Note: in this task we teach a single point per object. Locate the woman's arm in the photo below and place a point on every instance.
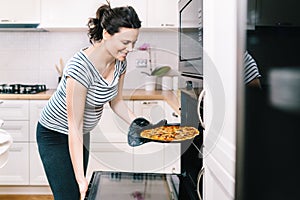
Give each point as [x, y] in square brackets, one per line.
[119, 106]
[75, 100]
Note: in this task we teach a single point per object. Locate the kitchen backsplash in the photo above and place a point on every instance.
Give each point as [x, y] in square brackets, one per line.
[30, 57]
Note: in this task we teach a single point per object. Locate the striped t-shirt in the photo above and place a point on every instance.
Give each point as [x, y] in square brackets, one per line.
[99, 92]
[250, 68]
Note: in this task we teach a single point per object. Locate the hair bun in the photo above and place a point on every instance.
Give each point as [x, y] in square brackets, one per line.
[93, 22]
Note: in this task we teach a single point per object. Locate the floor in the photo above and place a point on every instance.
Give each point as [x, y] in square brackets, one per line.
[26, 197]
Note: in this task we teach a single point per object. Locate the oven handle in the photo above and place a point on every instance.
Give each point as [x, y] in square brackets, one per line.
[201, 96]
[200, 175]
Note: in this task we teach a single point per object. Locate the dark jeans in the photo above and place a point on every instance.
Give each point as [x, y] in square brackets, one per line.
[54, 152]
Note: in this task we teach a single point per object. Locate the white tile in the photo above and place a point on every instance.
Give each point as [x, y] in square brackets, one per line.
[31, 56]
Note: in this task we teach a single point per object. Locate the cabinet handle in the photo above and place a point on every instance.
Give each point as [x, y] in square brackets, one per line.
[16, 149]
[198, 108]
[168, 25]
[174, 114]
[1, 102]
[148, 103]
[200, 175]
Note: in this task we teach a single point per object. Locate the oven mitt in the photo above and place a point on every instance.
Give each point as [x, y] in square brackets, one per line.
[137, 126]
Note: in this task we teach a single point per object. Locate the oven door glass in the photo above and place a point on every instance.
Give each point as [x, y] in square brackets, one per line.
[128, 186]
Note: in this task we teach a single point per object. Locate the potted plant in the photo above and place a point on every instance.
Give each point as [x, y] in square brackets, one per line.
[150, 80]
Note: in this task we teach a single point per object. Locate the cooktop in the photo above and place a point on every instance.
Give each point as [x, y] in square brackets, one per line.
[22, 88]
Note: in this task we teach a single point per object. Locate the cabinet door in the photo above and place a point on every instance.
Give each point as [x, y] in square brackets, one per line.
[36, 107]
[110, 157]
[16, 170]
[19, 130]
[140, 7]
[172, 155]
[14, 110]
[152, 110]
[149, 157]
[111, 127]
[36, 170]
[162, 13]
[171, 115]
[20, 11]
[68, 13]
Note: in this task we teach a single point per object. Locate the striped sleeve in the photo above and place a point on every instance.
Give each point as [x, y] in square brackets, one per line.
[78, 71]
[250, 68]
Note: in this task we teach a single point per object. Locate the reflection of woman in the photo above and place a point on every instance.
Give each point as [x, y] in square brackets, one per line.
[251, 76]
[93, 77]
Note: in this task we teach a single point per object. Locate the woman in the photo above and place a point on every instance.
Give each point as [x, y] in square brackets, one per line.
[93, 77]
[251, 72]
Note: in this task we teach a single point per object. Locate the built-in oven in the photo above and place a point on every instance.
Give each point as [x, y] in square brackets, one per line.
[191, 151]
[190, 37]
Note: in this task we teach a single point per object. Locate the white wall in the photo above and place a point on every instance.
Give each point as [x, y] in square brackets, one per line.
[30, 57]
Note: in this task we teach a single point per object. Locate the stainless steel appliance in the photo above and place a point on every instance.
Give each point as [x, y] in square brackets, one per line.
[190, 37]
[22, 88]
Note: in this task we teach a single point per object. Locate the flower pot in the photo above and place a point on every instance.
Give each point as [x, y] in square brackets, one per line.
[150, 83]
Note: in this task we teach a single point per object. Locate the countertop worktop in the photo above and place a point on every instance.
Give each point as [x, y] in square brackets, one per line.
[171, 97]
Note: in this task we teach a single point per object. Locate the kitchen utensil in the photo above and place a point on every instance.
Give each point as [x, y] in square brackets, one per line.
[135, 129]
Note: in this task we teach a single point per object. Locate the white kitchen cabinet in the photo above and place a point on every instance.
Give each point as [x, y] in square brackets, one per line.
[15, 114]
[152, 110]
[17, 129]
[149, 157]
[24, 166]
[36, 170]
[110, 157]
[111, 128]
[110, 151]
[172, 158]
[171, 115]
[20, 11]
[36, 107]
[140, 7]
[168, 154]
[67, 13]
[162, 14]
[75, 13]
[15, 172]
[37, 173]
[13, 110]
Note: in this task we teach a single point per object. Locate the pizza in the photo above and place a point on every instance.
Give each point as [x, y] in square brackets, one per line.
[170, 133]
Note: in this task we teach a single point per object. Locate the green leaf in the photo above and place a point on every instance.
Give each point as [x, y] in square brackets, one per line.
[160, 71]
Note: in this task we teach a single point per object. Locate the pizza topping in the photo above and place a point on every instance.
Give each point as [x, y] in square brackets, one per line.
[170, 133]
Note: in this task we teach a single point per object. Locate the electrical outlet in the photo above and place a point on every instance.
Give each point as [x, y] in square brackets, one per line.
[141, 62]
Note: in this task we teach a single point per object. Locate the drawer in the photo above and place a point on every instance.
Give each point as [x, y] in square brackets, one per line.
[14, 110]
[19, 130]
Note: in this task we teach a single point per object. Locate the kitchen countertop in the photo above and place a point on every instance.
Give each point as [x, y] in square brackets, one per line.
[171, 97]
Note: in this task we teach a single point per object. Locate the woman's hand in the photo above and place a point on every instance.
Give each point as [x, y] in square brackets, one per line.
[83, 186]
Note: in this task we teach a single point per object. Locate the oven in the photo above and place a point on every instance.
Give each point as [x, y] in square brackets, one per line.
[190, 186]
[190, 37]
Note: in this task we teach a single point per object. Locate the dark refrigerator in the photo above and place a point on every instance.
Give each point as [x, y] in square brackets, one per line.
[268, 162]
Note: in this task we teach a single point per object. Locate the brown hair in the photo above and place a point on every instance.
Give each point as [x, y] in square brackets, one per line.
[111, 20]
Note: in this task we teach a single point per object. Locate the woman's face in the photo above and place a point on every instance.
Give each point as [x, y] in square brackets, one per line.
[121, 43]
